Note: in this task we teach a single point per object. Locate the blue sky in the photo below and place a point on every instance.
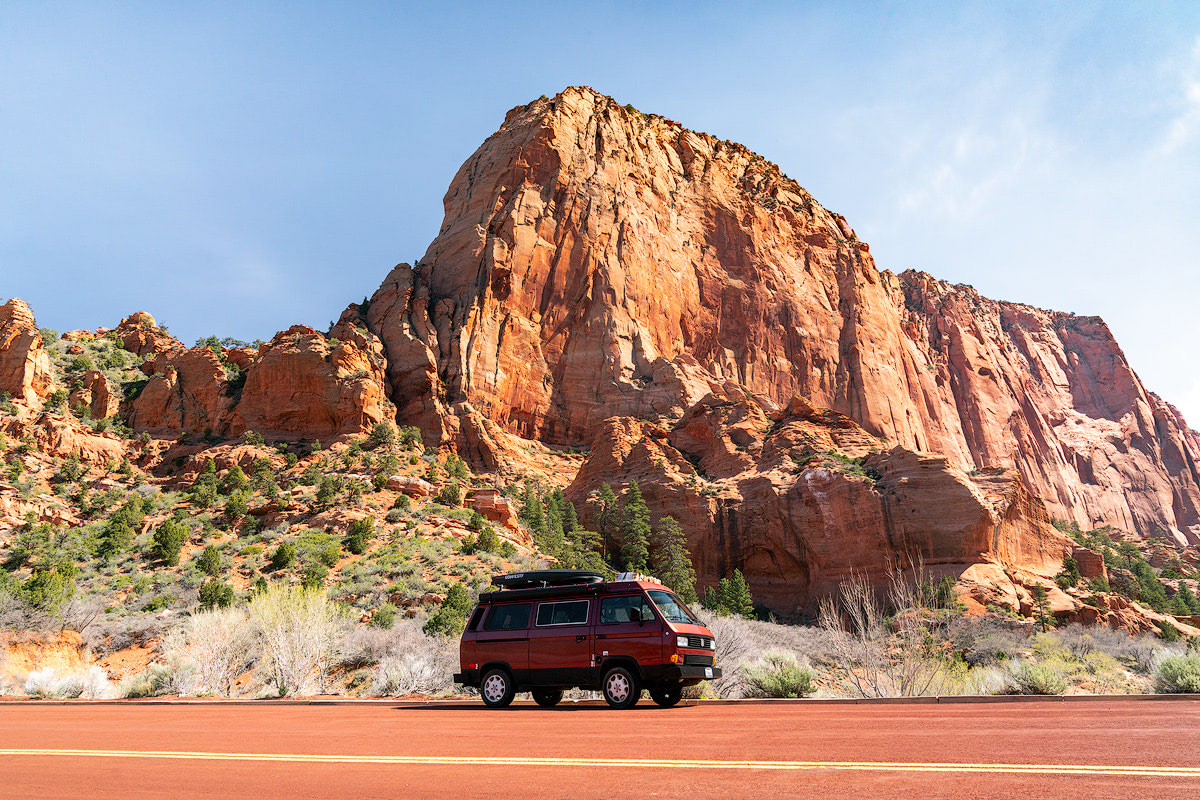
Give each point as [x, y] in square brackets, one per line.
[234, 168]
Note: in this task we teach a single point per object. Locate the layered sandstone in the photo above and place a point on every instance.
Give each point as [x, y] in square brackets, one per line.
[24, 365]
[596, 262]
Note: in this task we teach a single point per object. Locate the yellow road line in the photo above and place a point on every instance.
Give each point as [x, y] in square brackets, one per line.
[627, 763]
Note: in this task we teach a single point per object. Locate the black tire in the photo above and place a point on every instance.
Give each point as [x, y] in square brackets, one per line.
[667, 698]
[621, 688]
[547, 698]
[497, 688]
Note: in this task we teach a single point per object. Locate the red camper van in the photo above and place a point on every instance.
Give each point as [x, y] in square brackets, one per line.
[550, 630]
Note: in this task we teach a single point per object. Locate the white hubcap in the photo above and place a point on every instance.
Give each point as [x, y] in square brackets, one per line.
[494, 688]
[618, 687]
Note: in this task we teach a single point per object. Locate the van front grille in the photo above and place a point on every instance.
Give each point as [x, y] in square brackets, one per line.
[699, 661]
[700, 642]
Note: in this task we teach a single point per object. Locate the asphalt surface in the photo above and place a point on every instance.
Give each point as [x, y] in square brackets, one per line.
[1105, 749]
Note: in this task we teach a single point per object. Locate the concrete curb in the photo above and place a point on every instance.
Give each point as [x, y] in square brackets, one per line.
[469, 703]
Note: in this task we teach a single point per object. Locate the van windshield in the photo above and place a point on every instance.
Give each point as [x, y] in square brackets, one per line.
[672, 607]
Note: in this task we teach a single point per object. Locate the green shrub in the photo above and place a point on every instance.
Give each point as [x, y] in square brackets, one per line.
[209, 561]
[168, 542]
[450, 495]
[1168, 632]
[283, 556]
[385, 617]
[402, 503]
[451, 616]
[360, 532]
[395, 515]
[382, 434]
[409, 437]
[488, 542]
[778, 675]
[1178, 675]
[313, 575]
[214, 593]
[319, 548]
[1039, 679]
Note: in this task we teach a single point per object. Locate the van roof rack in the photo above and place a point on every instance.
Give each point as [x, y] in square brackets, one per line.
[543, 578]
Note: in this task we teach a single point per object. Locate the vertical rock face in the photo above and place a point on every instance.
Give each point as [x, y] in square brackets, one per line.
[763, 493]
[1052, 395]
[24, 366]
[595, 261]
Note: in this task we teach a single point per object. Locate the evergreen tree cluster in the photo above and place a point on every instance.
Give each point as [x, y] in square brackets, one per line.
[625, 539]
[555, 529]
[730, 597]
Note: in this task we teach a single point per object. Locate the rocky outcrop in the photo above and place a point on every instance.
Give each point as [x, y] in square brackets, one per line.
[24, 366]
[140, 334]
[189, 392]
[304, 384]
[96, 395]
[301, 384]
[803, 498]
[596, 261]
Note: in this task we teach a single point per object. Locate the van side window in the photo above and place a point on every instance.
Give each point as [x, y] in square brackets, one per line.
[508, 618]
[572, 612]
[616, 609]
[475, 618]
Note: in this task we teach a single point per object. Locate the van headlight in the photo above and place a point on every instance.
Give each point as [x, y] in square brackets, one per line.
[681, 641]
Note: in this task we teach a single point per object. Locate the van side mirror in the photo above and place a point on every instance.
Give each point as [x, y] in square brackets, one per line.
[635, 615]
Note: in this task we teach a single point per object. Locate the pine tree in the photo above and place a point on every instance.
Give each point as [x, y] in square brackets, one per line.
[635, 531]
[533, 514]
[737, 596]
[1041, 607]
[554, 502]
[671, 562]
[607, 517]
[712, 600]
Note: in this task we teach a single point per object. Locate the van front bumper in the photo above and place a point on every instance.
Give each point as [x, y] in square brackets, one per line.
[688, 673]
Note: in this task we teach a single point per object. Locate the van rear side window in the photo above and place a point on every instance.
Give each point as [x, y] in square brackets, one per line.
[572, 612]
[508, 618]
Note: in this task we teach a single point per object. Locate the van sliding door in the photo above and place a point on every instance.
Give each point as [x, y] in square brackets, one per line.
[560, 643]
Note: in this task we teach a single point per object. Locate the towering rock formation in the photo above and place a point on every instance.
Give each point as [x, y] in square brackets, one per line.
[24, 366]
[595, 261]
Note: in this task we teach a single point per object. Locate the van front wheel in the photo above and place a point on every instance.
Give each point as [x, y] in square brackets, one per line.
[496, 688]
[667, 698]
[620, 687]
[547, 698]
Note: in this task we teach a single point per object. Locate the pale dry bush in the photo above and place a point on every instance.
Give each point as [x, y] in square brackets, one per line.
[407, 661]
[900, 657]
[301, 632]
[210, 650]
[741, 641]
[91, 683]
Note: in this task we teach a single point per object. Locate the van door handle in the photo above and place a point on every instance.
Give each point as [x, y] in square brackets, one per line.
[581, 638]
[601, 635]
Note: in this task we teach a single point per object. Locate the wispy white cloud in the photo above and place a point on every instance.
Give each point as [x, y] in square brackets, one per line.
[1184, 127]
[966, 168]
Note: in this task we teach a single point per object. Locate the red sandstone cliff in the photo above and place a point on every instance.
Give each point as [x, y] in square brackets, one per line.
[597, 262]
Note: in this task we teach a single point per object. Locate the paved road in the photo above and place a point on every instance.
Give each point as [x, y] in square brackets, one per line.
[1107, 749]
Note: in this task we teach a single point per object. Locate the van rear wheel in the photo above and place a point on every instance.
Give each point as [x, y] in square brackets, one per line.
[621, 688]
[547, 698]
[667, 697]
[497, 688]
